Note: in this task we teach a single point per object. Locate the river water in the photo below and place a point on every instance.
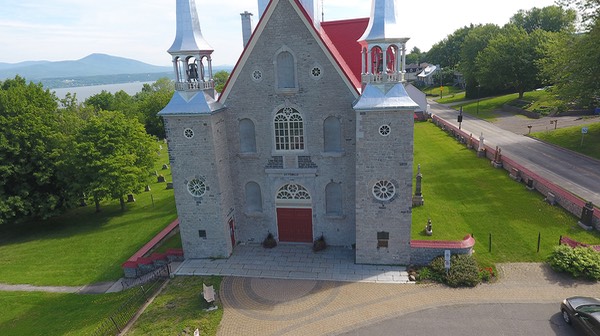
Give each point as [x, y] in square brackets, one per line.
[84, 92]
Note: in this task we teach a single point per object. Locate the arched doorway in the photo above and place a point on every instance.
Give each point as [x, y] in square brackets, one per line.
[294, 214]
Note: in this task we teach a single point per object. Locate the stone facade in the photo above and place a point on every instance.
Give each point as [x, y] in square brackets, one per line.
[285, 141]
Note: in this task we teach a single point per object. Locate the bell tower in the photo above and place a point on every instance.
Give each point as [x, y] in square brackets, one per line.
[384, 142]
[191, 53]
[197, 140]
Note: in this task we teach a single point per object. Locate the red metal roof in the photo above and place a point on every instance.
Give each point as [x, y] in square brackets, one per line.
[341, 37]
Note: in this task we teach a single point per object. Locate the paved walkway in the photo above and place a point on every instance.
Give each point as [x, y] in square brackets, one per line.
[294, 261]
[259, 306]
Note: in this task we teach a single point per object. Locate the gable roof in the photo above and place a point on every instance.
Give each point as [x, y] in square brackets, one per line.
[342, 38]
[328, 48]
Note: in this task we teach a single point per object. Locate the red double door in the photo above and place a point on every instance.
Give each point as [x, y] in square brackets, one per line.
[295, 225]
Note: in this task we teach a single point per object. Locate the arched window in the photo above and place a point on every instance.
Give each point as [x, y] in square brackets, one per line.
[289, 130]
[332, 135]
[392, 59]
[247, 136]
[286, 70]
[376, 60]
[253, 197]
[333, 199]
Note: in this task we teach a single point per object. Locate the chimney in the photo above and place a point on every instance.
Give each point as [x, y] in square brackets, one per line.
[246, 27]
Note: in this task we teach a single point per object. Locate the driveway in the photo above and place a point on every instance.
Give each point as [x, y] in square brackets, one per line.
[259, 306]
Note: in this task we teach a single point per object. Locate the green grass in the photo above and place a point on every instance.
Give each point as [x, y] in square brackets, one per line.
[571, 138]
[180, 310]
[37, 313]
[81, 246]
[464, 194]
[540, 101]
[448, 94]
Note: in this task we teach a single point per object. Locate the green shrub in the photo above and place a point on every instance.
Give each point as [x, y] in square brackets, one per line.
[464, 271]
[580, 262]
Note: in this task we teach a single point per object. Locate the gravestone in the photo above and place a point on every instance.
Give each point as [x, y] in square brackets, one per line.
[551, 198]
[165, 166]
[497, 163]
[587, 216]
[130, 198]
[515, 174]
[470, 143]
[169, 185]
[529, 184]
[161, 179]
[417, 199]
[147, 188]
[429, 228]
[481, 148]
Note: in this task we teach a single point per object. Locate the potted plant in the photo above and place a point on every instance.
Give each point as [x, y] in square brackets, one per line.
[319, 244]
[270, 241]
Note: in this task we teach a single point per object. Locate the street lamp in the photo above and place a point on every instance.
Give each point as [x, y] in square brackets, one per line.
[441, 83]
[478, 95]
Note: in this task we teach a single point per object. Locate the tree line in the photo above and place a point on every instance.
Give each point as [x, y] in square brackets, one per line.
[56, 153]
[555, 46]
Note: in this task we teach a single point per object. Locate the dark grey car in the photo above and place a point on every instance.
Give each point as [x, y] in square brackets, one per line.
[583, 313]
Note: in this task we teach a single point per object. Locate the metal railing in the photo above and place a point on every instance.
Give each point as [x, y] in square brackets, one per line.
[142, 289]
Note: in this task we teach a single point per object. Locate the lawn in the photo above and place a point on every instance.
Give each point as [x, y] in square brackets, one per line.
[572, 138]
[82, 246]
[464, 194]
[37, 313]
[178, 310]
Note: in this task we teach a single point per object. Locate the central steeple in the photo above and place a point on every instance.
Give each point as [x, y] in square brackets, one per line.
[191, 53]
[383, 45]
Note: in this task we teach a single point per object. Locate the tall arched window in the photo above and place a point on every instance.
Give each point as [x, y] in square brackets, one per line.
[332, 135]
[247, 136]
[333, 199]
[289, 130]
[253, 197]
[286, 70]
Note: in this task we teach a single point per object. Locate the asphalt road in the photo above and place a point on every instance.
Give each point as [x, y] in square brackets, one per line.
[475, 320]
[575, 173]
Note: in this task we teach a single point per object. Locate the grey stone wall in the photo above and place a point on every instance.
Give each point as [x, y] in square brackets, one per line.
[423, 256]
[198, 157]
[384, 158]
[316, 99]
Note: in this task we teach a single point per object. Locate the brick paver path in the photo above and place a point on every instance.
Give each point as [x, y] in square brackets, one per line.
[255, 306]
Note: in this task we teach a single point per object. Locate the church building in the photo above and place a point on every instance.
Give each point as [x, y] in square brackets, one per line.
[312, 135]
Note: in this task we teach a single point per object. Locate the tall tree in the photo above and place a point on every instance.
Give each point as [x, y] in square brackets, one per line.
[475, 41]
[509, 61]
[114, 156]
[446, 53]
[30, 149]
[572, 66]
[220, 78]
[550, 19]
[152, 100]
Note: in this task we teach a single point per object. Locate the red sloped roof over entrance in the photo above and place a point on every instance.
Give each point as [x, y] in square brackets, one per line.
[343, 34]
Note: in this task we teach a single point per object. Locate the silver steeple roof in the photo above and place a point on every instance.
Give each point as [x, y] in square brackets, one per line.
[384, 23]
[189, 36]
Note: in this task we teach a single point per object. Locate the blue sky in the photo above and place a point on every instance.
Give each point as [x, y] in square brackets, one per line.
[144, 29]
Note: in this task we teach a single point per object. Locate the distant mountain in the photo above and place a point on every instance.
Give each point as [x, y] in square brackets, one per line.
[92, 65]
[4, 66]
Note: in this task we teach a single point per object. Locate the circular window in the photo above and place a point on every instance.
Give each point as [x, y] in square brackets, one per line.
[196, 187]
[316, 72]
[257, 75]
[188, 133]
[384, 190]
[385, 130]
